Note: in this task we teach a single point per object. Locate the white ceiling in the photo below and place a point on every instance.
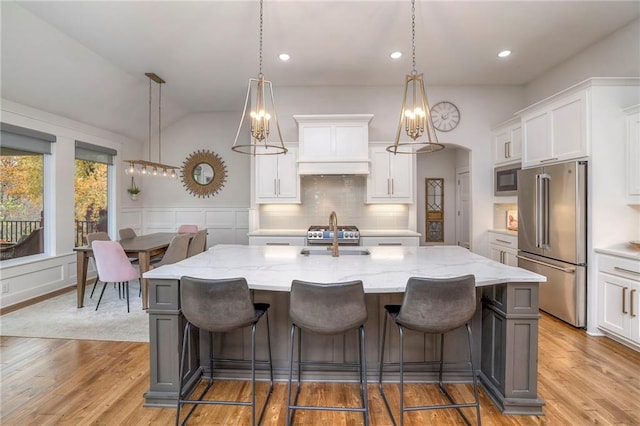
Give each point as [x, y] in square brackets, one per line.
[86, 60]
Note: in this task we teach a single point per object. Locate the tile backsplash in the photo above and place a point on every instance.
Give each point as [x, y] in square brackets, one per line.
[346, 195]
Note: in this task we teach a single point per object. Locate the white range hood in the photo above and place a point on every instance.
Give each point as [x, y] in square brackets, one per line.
[333, 144]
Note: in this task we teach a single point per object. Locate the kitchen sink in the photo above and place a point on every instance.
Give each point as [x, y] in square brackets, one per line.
[327, 252]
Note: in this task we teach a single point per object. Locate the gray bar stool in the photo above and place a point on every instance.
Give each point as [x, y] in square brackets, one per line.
[328, 309]
[219, 306]
[434, 306]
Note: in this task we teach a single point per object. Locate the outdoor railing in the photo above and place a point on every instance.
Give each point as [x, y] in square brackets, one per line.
[12, 230]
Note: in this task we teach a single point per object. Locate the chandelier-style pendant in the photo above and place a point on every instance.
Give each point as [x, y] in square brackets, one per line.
[415, 116]
[260, 99]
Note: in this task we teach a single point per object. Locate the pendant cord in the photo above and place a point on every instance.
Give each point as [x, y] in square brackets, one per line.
[260, 67]
[413, 34]
[149, 157]
[160, 123]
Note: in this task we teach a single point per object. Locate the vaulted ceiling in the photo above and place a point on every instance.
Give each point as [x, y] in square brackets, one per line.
[86, 60]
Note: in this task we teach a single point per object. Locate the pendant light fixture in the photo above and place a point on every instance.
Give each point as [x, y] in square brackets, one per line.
[148, 167]
[260, 99]
[415, 116]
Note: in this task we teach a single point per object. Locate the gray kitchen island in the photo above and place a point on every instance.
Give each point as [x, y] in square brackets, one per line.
[505, 327]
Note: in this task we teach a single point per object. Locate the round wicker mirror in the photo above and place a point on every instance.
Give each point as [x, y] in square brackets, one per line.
[203, 173]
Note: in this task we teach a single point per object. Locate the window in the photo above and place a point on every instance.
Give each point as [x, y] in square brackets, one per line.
[91, 189]
[22, 190]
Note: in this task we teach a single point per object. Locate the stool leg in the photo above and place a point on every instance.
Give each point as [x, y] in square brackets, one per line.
[181, 369]
[441, 364]
[289, 411]
[270, 391]
[380, 371]
[253, 374]
[473, 374]
[363, 376]
[401, 332]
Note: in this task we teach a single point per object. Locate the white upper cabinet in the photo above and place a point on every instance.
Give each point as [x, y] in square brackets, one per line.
[333, 144]
[277, 179]
[507, 142]
[555, 130]
[391, 177]
[633, 153]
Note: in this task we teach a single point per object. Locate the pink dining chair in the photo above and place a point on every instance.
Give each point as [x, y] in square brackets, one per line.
[91, 237]
[113, 266]
[188, 229]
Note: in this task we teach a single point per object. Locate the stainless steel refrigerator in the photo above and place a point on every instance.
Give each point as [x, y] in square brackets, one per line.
[552, 236]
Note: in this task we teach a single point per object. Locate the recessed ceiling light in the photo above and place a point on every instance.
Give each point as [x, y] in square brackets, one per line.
[395, 55]
[284, 57]
[504, 54]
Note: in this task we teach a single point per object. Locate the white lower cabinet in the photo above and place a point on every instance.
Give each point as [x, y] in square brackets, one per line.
[276, 241]
[504, 248]
[390, 241]
[619, 298]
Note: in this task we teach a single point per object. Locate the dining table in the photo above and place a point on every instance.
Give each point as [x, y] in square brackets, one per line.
[142, 247]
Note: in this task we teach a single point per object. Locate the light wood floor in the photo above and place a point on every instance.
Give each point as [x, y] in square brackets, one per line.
[583, 380]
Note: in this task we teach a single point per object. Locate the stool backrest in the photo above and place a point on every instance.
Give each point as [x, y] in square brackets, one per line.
[112, 262]
[217, 305]
[198, 243]
[330, 308]
[433, 305]
[126, 233]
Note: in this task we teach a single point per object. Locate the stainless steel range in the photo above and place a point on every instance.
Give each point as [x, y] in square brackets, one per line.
[322, 235]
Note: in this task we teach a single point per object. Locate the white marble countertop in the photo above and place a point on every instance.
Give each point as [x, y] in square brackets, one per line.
[625, 250]
[363, 233]
[505, 231]
[384, 270]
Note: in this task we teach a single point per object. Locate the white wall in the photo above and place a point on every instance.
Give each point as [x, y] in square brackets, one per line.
[615, 56]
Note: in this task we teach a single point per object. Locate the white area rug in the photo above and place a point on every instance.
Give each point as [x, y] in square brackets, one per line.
[59, 317]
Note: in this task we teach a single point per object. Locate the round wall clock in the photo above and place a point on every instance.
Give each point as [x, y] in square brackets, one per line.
[445, 116]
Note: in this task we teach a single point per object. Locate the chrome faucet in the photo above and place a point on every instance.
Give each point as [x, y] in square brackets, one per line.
[333, 226]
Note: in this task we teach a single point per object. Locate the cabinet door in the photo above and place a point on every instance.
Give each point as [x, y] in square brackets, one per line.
[536, 139]
[317, 142]
[633, 157]
[514, 147]
[288, 179]
[496, 253]
[266, 176]
[401, 174]
[500, 144]
[569, 128]
[510, 257]
[613, 316]
[378, 183]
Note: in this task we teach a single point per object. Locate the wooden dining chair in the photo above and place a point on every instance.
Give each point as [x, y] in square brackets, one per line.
[198, 243]
[113, 266]
[176, 251]
[126, 233]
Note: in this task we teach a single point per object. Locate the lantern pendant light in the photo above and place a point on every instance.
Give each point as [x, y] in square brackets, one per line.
[260, 97]
[415, 116]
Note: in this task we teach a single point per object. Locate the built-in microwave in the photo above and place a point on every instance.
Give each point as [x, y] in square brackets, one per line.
[505, 180]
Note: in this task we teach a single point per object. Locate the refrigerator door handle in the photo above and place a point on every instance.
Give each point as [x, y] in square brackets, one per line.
[536, 211]
[544, 210]
[569, 270]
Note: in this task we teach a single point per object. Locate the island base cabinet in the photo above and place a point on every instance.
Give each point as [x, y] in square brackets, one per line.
[505, 332]
[509, 348]
[166, 329]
